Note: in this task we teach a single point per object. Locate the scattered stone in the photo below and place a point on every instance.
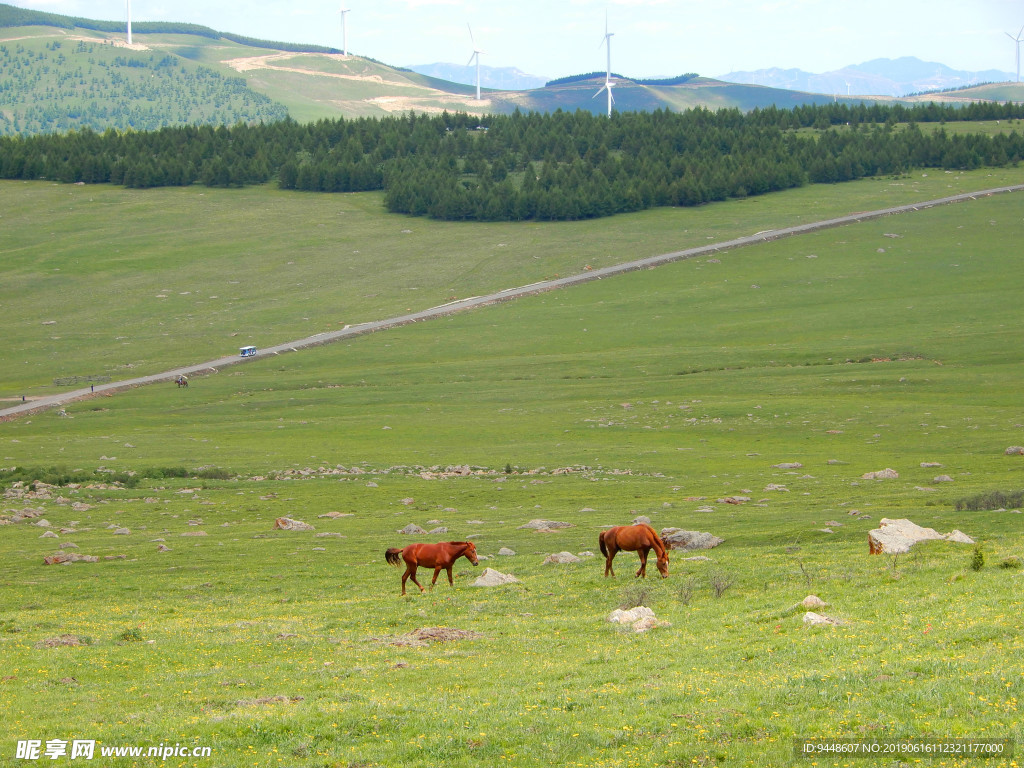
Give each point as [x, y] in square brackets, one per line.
[882, 474]
[621, 616]
[506, 552]
[1015, 450]
[49, 535]
[677, 538]
[788, 465]
[930, 465]
[412, 530]
[336, 515]
[61, 558]
[896, 537]
[163, 548]
[561, 557]
[640, 619]
[122, 532]
[545, 525]
[288, 524]
[438, 530]
[493, 578]
[776, 487]
[813, 601]
[194, 533]
[641, 519]
[812, 619]
[942, 479]
[407, 501]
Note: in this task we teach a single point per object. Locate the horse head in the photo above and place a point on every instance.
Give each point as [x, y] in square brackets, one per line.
[663, 564]
[471, 553]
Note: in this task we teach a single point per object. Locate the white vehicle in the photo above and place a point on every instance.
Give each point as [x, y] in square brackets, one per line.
[247, 351]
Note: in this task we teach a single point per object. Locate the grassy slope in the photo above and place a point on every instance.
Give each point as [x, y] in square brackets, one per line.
[274, 647]
[262, 266]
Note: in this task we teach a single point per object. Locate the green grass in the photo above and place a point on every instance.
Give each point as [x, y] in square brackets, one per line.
[663, 391]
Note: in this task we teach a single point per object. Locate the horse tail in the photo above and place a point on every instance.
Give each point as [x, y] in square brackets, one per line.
[393, 556]
[600, 540]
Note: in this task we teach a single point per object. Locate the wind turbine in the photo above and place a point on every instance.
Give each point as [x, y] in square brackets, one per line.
[344, 30]
[128, 3]
[475, 55]
[1017, 40]
[607, 42]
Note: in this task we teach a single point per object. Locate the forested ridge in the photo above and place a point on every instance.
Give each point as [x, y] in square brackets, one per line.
[76, 84]
[532, 166]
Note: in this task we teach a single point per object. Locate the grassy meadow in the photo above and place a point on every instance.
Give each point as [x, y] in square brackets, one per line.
[684, 393]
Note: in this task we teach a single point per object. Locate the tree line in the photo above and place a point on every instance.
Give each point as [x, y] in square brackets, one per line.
[557, 166]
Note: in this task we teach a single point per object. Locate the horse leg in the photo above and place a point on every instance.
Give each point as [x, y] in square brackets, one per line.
[608, 563]
[449, 569]
[437, 572]
[410, 573]
[642, 573]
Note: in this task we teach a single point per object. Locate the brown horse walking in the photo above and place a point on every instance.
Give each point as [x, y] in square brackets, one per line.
[437, 556]
[634, 538]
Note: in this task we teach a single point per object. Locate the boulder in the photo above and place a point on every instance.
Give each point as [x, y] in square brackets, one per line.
[620, 616]
[896, 537]
[439, 530]
[644, 519]
[561, 557]
[412, 530]
[813, 601]
[1015, 450]
[812, 619]
[60, 558]
[493, 578]
[639, 619]
[882, 474]
[677, 538]
[506, 552]
[288, 524]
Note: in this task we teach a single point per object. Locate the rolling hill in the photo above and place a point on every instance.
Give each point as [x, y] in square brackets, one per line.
[62, 73]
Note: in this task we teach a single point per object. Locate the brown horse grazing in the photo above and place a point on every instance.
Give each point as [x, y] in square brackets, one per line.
[437, 556]
[635, 538]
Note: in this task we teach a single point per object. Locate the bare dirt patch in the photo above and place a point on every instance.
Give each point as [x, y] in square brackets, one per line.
[427, 635]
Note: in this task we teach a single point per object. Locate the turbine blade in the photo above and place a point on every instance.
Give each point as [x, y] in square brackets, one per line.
[471, 57]
[472, 39]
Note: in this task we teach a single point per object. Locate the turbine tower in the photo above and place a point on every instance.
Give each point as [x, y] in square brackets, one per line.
[128, 4]
[475, 55]
[607, 42]
[1017, 40]
[344, 30]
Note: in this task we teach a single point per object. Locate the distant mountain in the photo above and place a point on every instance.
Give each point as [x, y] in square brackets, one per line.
[500, 78]
[879, 77]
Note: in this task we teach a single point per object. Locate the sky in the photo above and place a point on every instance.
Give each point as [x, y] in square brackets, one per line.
[651, 38]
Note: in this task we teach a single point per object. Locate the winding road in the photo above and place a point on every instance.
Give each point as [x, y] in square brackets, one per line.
[473, 302]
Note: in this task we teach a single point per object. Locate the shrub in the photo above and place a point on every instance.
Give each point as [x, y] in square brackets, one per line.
[990, 500]
[977, 559]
